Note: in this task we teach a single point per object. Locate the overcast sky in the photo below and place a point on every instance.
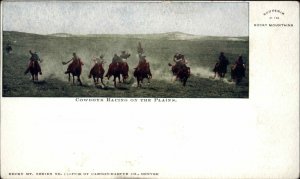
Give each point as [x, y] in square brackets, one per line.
[216, 19]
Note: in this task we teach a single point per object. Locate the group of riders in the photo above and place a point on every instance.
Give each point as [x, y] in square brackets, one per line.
[237, 69]
[179, 68]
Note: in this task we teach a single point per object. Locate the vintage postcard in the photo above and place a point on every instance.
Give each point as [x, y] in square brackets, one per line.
[149, 89]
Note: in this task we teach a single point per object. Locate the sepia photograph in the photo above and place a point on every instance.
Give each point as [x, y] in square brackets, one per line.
[131, 49]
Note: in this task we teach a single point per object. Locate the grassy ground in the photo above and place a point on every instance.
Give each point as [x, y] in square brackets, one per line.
[202, 54]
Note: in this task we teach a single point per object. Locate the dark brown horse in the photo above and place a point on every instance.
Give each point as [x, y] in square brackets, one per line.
[221, 68]
[34, 69]
[238, 72]
[97, 72]
[75, 69]
[117, 69]
[181, 72]
[141, 72]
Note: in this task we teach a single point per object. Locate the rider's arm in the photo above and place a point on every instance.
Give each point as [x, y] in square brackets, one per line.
[69, 61]
[80, 61]
[174, 59]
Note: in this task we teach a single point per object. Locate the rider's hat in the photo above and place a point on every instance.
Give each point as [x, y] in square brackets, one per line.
[101, 56]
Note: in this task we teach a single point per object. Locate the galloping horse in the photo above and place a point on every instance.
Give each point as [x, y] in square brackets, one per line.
[97, 72]
[181, 72]
[221, 68]
[34, 69]
[237, 73]
[141, 72]
[75, 69]
[117, 69]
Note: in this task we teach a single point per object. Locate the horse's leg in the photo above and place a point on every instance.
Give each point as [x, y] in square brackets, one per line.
[73, 79]
[139, 84]
[37, 77]
[69, 77]
[32, 77]
[94, 80]
[119, 78]
[102, 81]
[184, 81]
[115, 83]
[78, 78]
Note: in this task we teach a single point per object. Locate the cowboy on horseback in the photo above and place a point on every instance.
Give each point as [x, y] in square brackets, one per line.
[239, 63]
[98, 62]
[221, 65]
[32, 61]
[74, 60]
[117, 60]
[8, 48]
[142, 70]
[180, 70]
[142, 57]
[180, 62]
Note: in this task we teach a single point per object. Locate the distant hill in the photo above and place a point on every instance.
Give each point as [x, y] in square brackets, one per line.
[61, 35]
[162, 36]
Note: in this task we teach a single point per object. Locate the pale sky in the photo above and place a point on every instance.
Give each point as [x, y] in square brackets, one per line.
[215, 19]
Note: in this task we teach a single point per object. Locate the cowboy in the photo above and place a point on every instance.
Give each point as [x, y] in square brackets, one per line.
[116, 59]
[74, 60]
[221, 63]
[124, 56]
[140, 49]
[222, 59]
[180, 62]
[240, 63]
[99, 60]
[34, 58]
[142, 60]
[8, 48]
[179, 59]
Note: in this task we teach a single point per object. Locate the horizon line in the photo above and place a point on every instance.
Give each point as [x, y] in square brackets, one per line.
[155, 33]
